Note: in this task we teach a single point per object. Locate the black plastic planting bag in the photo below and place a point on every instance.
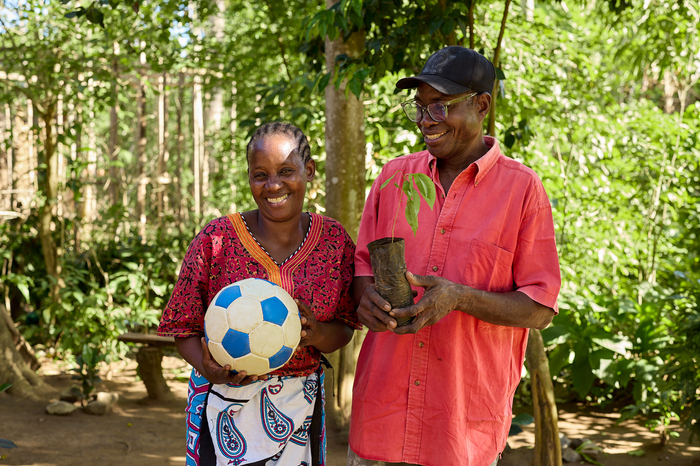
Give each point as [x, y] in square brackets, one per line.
[389, 269]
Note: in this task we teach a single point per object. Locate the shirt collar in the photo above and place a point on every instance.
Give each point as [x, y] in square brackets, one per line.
[483, 164]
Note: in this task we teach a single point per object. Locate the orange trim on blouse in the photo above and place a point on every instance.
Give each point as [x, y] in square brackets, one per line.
[280, 275]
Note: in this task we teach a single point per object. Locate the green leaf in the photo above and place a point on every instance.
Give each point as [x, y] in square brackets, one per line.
[618, 344]
[387, 181]
[637, 453]
[24, 289]
[426, 187]
[383, 135]
[523, 419]
[355, 86]
[412, 206]
[95, 16]
[500, 75]
[4, 387]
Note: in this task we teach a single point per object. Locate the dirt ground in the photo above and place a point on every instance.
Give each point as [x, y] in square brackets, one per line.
[140, 434]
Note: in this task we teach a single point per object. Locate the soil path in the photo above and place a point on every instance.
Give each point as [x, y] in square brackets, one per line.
[138, 434]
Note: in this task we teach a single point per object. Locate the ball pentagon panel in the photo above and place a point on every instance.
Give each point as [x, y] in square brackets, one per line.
[287, 300]
[236, 343]
[274, 310]
[281, 357]
[227, 295]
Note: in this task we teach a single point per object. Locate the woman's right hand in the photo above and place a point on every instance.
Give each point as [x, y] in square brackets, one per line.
[214, 373]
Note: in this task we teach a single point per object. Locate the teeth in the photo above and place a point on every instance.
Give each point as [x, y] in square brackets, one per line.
[432, 137]
[277, 200]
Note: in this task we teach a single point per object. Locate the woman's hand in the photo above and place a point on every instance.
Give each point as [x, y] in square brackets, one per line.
[324, 336]
[214, 373]
[310, 327]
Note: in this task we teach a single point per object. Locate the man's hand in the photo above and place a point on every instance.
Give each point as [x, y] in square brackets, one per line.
[440, 298]
[214, 373]
[373, 310]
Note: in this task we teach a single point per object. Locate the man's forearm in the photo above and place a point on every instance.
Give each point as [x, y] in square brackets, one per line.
[513, 309]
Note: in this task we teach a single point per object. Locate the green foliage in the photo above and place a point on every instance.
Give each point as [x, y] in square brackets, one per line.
[87, 372]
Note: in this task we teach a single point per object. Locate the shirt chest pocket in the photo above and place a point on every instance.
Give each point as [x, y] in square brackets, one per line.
[489, 268]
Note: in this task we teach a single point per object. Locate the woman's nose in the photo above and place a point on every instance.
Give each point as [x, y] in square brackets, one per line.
[273, 182]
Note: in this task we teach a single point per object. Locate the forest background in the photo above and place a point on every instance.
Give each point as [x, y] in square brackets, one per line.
[123, 126]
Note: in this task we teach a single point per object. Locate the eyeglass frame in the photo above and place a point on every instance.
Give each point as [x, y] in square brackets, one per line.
[427, 107]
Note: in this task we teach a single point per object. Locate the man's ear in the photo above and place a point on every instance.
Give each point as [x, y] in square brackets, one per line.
[483, 102]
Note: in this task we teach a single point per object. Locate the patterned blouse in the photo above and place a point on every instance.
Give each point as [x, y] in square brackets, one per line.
[318, 274]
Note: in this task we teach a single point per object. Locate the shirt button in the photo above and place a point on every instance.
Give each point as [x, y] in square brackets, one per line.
[435, 268]
[417, 382]
[442, 231]
[475, 183]
[420, 344]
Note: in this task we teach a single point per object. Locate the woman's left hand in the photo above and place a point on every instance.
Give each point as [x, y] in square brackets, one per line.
[310, 327]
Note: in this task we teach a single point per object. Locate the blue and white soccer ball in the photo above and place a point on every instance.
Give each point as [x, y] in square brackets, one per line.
[253, 325]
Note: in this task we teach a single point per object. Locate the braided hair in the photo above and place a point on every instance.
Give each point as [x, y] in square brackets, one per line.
[277, 127]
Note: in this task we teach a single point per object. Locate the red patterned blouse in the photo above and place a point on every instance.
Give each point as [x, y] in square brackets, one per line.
[319, 274]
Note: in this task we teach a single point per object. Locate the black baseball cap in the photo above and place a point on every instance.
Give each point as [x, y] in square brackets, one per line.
[454, 70]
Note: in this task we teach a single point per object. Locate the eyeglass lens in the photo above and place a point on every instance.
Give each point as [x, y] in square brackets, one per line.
[414, 111]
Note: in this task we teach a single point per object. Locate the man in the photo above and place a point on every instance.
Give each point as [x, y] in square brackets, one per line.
[439, 391]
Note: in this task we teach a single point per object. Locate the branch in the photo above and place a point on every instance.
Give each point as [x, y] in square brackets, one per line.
[496, 57]
[279, 41]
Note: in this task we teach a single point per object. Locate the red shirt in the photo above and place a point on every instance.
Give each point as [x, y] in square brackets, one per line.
[444, 396]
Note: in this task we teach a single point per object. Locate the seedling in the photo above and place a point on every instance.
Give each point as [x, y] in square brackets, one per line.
[425, 188]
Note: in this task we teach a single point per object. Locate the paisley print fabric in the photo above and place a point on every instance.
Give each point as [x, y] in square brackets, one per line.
[261, 423]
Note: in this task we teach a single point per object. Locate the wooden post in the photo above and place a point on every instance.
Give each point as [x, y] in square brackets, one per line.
[547, 444]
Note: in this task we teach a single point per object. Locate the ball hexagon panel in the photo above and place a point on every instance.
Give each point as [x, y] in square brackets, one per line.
[244, 314]
[236, 343]
[292, 330]
[219, 354]
[266, 339]
[215, 323]
[257, 288]
[274, 310]
[252, 364]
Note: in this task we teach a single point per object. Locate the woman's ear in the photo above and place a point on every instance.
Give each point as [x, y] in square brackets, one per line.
[310, 170]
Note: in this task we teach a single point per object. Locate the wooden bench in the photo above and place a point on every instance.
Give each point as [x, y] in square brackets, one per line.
[149, 358]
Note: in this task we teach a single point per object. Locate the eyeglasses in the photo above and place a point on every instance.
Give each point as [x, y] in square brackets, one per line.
[436, 110]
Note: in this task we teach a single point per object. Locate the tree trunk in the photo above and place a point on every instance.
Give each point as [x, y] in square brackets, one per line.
[547, 444]
[197, 163]
[49, 188]
[161, 173]
[141, 164]
[112, 148]
[345, 191]
[13, 368]
[178, 150]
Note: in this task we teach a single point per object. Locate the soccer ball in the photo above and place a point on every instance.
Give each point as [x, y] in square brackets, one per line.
[253, 325]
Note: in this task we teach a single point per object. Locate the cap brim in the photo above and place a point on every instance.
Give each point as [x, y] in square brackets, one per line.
[438, 83]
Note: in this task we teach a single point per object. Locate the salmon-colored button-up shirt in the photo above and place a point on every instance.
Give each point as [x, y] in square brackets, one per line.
[443, 396]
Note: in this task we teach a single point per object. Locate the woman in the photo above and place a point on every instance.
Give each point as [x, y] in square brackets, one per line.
[311, 257]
